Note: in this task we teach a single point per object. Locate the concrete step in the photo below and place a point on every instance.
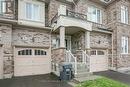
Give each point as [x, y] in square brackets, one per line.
[82, 79]
[83, 74]
[82, 71]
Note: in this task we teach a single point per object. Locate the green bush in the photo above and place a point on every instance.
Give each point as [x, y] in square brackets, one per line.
[101, 82]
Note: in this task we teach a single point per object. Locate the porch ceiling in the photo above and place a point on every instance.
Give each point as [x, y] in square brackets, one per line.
[102, 3]
[70, 30]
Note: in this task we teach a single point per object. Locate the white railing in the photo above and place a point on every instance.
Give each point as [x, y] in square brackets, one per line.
[83, 60]
[71, 59]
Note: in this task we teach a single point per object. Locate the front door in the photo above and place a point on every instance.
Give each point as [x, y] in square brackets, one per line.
[98, 60]
[68, 42]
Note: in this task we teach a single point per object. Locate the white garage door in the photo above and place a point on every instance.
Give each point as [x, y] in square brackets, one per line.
[31, 61]
[98, 61]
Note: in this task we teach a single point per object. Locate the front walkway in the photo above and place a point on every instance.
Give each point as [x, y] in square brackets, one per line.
[33, 81]
[124, 78]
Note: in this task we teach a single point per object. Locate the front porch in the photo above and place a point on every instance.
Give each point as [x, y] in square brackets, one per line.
[73, 42]
[69, 46]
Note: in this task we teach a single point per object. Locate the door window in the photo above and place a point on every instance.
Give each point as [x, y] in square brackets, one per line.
[98, 52]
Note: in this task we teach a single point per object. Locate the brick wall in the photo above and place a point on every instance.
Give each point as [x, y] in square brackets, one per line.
[31, 37]
[100, 40]
[53, 8]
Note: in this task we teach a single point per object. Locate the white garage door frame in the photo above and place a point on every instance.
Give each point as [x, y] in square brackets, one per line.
[24, 47]
[99, 62]
[1, 63]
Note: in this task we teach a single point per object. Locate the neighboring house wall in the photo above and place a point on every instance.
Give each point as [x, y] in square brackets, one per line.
[10, 10]
[6, 39]
[119, 30]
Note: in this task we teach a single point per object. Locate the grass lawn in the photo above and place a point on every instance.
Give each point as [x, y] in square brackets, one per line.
[101, 82]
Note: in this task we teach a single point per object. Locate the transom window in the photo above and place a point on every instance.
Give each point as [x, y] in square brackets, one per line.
[40, 52]
[97, 52]
[94, 14]
[124, 45]
[124, 14]
[25, 52]
[32, 52]
[32, 12]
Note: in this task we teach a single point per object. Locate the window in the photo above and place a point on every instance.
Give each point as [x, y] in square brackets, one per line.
[32, 12]
[124, 45]
[40, 52]
[124, 14]
[94, 15]
[93, 52]
[25, 52]
[100, 53]
[2, 7]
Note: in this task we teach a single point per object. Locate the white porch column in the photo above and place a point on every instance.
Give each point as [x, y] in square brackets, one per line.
[62, 37]
[62, 10]
[87, 40]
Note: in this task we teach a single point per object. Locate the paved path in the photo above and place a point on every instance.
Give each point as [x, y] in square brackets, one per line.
[124, 78]
[33, 81]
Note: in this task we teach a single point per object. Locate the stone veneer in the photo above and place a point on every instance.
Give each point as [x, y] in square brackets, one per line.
[6, 39]
[31, 37]
[58, 55]
[100, 40]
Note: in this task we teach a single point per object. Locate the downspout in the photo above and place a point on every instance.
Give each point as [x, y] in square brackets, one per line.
[112, 51]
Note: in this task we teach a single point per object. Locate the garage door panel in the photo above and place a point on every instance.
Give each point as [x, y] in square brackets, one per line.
[40, 70]
[22, 71]
[33, 61]
[23, 61]
[98, 61]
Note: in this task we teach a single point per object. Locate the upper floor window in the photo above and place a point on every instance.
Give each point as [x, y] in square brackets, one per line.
[2, 7]
[32, 12]
[94, 14]
[124, 44]
[124, 14]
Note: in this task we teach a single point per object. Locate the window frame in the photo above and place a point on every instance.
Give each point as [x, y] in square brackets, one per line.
[39, 52]
[25, 52]
[124, 14]
[33, 16]
[90, 13]
[3, 7]
[124, 45]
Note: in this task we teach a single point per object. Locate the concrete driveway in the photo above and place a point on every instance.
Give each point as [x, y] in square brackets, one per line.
[33, 81]
[124, 78]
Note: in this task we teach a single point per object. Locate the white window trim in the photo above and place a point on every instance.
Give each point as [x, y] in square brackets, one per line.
[2, 7]
[32, 12]
[89, 13]
[124, 45]
[124, 14]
